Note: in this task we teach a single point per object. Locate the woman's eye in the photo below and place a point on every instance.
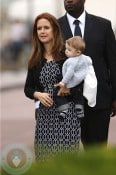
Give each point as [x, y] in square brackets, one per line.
[38, 28]
[46, 27]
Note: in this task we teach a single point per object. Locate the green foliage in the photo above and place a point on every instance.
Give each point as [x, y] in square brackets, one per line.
[94, 161]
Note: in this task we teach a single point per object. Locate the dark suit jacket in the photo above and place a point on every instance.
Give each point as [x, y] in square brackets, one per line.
[101, 47]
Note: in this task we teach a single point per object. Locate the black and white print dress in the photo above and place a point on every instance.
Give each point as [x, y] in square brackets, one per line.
[51, 133]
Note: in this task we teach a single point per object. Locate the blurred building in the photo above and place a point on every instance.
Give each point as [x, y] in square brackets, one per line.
[27, 10]
[31, 8]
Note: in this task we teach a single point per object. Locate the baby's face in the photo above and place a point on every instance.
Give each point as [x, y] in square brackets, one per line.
[70, 51]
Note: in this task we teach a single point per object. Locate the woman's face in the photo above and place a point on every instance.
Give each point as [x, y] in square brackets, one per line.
[44, 31]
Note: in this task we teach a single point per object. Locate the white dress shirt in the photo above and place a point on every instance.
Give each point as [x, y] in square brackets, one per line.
[81, 24]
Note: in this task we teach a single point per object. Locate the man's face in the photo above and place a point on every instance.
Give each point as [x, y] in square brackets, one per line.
[74, 6]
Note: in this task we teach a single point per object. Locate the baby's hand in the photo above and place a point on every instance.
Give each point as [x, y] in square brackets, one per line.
[63, 91]
[60, 84]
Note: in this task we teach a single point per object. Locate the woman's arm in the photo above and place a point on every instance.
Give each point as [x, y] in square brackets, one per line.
[30, 87]
[32, 92]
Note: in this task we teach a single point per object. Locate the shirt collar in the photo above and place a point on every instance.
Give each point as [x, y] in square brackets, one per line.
[81, 18]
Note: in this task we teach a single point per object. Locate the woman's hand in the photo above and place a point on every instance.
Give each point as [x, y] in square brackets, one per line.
[113, 113]
[44, 98]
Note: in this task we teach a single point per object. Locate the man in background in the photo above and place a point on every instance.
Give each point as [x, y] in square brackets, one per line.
[101, 47]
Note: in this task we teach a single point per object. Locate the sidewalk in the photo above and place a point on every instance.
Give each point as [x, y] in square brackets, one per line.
[12, 79]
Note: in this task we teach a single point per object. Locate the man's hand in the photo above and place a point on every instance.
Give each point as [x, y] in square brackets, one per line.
[113, 113]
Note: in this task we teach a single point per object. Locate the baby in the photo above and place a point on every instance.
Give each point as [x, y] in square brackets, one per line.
[74, 71]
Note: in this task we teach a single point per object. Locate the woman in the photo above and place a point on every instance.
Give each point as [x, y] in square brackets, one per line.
[44, 71]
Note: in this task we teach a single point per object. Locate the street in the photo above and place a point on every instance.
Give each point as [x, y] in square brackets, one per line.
[18, 122]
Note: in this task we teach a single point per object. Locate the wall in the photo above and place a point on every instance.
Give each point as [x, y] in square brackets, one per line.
[105, 8]
[31, 8]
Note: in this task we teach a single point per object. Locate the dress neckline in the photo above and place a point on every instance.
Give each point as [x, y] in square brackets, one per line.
[48, 61]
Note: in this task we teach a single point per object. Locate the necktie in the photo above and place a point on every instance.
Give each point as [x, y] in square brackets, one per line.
[77, 31]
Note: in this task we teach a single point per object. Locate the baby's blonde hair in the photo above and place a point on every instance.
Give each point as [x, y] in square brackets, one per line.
[76, 42]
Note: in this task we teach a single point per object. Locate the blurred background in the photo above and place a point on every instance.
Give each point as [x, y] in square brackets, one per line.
[16, 19]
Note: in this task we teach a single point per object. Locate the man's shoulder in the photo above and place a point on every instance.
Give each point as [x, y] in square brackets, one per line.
[61, 19]
[98, 18]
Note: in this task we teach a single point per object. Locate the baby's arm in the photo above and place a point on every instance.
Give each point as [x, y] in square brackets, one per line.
[68, 74]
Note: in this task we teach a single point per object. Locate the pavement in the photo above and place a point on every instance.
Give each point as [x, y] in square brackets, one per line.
[12, 79]
[17, 111]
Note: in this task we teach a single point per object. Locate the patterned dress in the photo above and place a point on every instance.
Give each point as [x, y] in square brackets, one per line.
[52, 134]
